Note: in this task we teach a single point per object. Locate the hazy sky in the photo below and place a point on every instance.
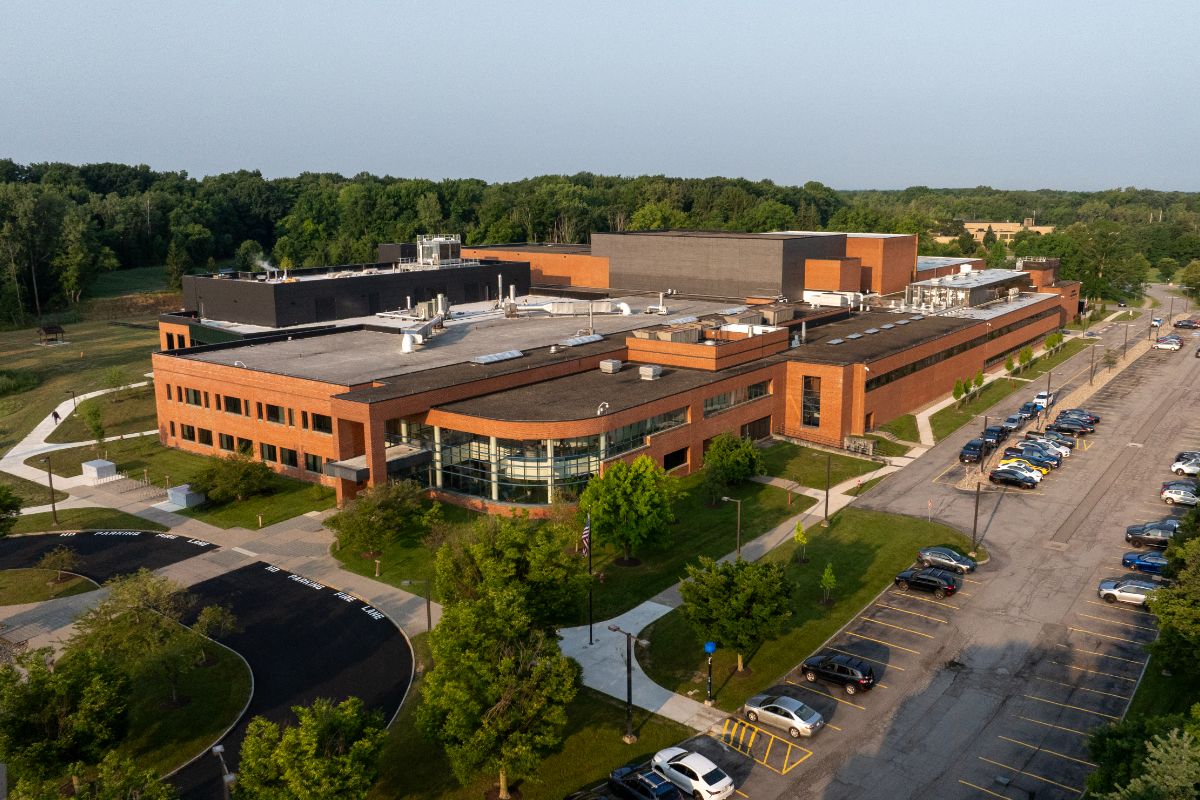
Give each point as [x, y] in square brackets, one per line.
[1063, 94]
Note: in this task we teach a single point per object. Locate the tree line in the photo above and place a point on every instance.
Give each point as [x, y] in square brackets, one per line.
[61, 225]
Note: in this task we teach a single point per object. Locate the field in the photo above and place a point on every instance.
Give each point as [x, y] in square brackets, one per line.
[129, 281]
[37, 585]
[28, 492]
[806, 466]
[127, 411]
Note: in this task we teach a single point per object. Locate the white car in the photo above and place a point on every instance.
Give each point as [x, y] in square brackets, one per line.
[1186, 467]
[1167, 344]
[1126, 591]
[1029, 472]
[1044, 399]
[1181, 496]
[1051, 446]
[1156, 322]
[693, 773]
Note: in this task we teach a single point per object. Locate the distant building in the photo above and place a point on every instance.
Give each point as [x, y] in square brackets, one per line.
[1005, 231]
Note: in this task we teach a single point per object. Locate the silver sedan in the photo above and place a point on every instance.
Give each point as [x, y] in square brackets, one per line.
[784, 712]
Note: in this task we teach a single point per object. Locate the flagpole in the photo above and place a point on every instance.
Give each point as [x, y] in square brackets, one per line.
[590, 580]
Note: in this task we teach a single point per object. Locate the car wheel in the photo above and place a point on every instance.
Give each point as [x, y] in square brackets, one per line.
[810, 676]
[1178, 472]
[923, 562]
[851, 688]
[750, 715]
[1169, 501]
[1137, 542]
[794, 733]
[902, 585]
[939, 593]
[1110, 598]
[962, 570]
[697, 796]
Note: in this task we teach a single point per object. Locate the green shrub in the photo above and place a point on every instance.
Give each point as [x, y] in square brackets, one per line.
[14, 381]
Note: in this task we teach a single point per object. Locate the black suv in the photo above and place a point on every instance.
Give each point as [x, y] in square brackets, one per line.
[938, 581]
[974, 451]
[1152, 534]
[854, 674]
[1071, 427]
[644, 784]
[994, 434]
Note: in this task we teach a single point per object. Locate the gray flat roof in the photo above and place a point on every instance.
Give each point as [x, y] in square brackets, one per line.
[975, 278]
[872, 346]
[529, 247]
[999, 307]
[940, 262]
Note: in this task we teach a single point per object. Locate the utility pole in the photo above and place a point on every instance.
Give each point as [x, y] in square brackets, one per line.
[828, 472]
[1092, 368]
[1125, 344]
[975, 523]
[50, 480]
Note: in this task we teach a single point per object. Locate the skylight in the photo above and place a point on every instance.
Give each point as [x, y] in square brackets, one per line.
[492, 358]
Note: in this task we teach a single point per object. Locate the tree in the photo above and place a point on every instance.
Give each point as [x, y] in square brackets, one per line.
[1120, 749]
[958, 389]
[1008, 364]
[989, 237]
[52, 714]
[1025, 356]
[1110, 358]
[729, 460]
[630, 504]
[234, 477]
[93, 418]
[178, 264]
[249, 256]
[800, 537]
[1189, 278]
[114, 378]
[1178, 610]
[739, 604]
[332, 753]
[1167, 267]
[978, 380]
[497, 695]
[214, 622]
[116, 778]
[657, 216]
[1170, 771]
[997, 256]
[828, 581]
[10, 510]
[61, 559]
[381, 515]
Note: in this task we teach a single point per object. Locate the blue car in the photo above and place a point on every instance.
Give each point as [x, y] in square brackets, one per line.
[1150, 561]
[1037, 457]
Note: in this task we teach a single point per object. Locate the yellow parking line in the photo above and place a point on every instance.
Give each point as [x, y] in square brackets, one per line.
[1031, 775]
[1102, 655]
[1049, 752]
[1115, 607]
[831, 725]
[827, 694]
[1105, 635]
[864, 658]
[924, 599]
[881, 641]
[1096, 672]
[914, 613]
[1052, 725]
[897, 627]
[985, 791]
[1065, 705]
[740, 793]
[1081, 688]
[969, 580]
[1119, 622]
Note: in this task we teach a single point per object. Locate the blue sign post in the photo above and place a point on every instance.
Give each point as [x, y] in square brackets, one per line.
[710, 648]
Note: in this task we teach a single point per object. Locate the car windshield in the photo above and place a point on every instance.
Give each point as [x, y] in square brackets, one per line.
[714, 776]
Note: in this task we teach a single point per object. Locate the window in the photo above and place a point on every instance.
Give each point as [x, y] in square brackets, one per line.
[187, 433]
[168, 391]
[631, 437]
[676, 458]
[811, 402]
[225, 441]
[274, 414]
[735, 397]
[304, 420]
[312, 463]
[233, 405]
[268, 452]
[206, 399]
[191, 397]
[204, 436]
[259, 408]
[287, 457]
[245, 446]
[172, 424]
[291, 419]
[322, 423]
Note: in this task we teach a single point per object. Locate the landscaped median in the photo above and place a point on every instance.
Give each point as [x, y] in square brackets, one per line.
[866, 549]
[19, 586]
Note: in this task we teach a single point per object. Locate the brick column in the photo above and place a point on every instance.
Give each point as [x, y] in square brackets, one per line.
[376, 450]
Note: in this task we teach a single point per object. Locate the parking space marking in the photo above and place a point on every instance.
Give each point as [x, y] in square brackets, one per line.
[1066, 705]
[740, 793]
[969, 580]
[1080, 688]
[827, 694]
[1119, 622]
[1105, 635]
[881, 641]
[1102, 655]
[914, 613]
[1052, 725]
[1031, 775]
[962, 594]
[1041, 749]
[1096, 672]
[1115, 607]
[985, 791]
[741, 736]
[897, 627]
[864, 658]
[925, 600]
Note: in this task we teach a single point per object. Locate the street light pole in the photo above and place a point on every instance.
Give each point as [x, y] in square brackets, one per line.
[50, 480]
[1092, 368]
[72, 393]
[975, 523]
[1125, 344]
[630, 737]
[739, 523]
[428, 600]
[828, 471]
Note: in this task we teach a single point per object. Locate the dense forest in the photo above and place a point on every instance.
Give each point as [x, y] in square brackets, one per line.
[61, 225]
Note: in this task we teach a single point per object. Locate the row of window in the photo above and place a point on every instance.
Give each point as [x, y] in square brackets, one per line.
[735, 397]
[270, 453]
[320, 423]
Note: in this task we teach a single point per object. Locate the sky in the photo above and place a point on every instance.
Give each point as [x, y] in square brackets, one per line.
[857, 95]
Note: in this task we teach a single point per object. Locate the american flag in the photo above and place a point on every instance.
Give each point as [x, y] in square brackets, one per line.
[587, 536]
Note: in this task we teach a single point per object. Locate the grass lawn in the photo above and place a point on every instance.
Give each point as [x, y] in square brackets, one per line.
[806, 466]
[35, 585]
[886, 447]
[951, 418]
[79, 519]
[1047, 363]
[1158, 695]
[28, 492]
[128, 411]
[129, 281]
[163, 738]
[138, 456]
[866, 549]
[92, 349]
[858, 490]
[413, 768]
[287, 498]
[903, 427]
[1127, 315]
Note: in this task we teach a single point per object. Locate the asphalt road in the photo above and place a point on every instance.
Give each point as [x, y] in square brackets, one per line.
[104, 554]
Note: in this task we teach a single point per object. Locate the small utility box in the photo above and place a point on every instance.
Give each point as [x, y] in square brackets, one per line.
[95, 471]
[184, 497]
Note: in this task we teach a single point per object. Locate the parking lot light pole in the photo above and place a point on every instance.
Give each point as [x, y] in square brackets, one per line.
[227, 778]
[975, 523]
[50, 480]
[1125, 344]
[710, 648]
[630, 737]
[828, 472]
[72, 393]
[428, 601]
[1092, 368]
[739, 523]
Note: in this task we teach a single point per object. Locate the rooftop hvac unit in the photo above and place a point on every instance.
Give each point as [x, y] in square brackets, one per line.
[689, 335]
[610, 366]
[650, 372]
